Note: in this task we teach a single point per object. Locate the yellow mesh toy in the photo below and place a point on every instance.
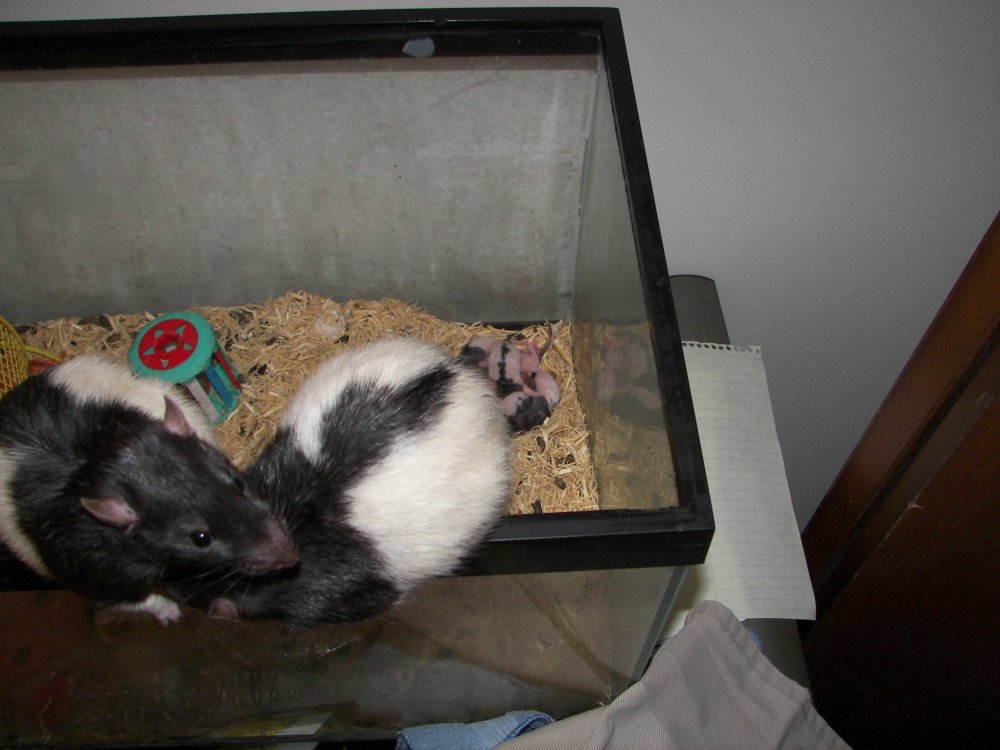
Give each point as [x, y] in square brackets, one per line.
[14, 357]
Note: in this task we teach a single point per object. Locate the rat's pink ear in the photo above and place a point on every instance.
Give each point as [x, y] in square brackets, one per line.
[174, 420]
[113, 511]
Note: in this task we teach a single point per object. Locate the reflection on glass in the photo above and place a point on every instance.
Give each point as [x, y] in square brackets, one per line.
[462, 649]
[616, 372]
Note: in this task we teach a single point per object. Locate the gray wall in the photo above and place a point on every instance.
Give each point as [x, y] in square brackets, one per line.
[831, 165]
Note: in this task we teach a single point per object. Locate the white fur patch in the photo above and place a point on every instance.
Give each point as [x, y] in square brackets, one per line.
[165, 610]
[431, 500]
[96, 377]
[10, 530]
[438, 491]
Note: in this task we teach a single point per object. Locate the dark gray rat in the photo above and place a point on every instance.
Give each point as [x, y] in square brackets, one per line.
[112, 486]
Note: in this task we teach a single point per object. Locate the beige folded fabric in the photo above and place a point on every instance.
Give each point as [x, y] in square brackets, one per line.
[707, 687]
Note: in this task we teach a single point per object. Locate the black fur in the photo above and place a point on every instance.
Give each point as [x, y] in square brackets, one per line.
[531, 412]
[505, 384]
[475, 357]
[472, 356]
[361, 427]
[338, 576]
[63, 450]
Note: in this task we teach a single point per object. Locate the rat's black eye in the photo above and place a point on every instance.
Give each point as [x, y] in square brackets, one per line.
[201, 538]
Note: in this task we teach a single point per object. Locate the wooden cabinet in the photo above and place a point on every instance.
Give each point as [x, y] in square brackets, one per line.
[904, 551]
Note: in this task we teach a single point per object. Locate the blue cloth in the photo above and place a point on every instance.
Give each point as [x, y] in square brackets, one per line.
[757, 641]
[482, 735]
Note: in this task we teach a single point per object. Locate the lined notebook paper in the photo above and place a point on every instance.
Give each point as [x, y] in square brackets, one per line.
[755, 565]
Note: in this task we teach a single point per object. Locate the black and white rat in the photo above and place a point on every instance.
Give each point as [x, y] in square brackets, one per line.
[112, 486]
[389, 465]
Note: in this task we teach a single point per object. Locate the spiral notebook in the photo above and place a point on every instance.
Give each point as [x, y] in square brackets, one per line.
[755, 565]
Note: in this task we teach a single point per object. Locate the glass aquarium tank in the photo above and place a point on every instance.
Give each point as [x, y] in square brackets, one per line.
[474, 168]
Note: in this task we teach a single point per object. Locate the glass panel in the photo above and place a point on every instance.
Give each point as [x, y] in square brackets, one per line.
[481, 188]
[449, 182]
[616, 369]
[463, 649]
[485, 188]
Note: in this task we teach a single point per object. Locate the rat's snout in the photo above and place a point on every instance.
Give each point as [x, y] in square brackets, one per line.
[276, 551]
[280, 543]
